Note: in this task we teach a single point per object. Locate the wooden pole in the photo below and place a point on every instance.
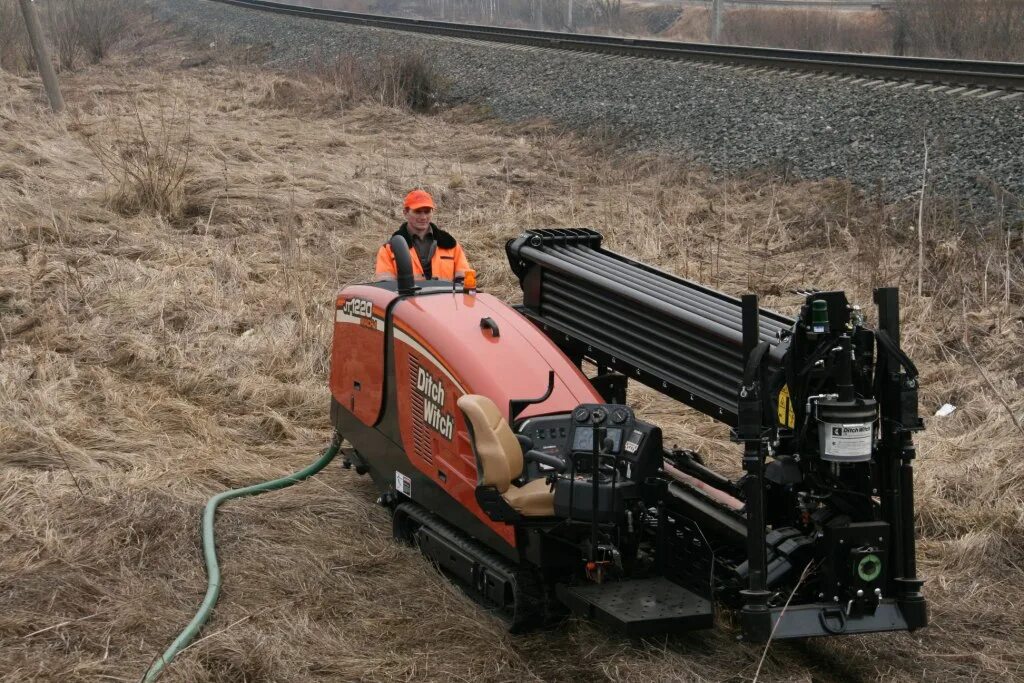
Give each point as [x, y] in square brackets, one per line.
[716, 21]
[43, 63]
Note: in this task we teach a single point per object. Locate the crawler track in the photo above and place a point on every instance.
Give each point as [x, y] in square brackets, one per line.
[971, 74]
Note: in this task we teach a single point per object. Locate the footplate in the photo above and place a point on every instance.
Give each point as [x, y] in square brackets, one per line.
[640, 607]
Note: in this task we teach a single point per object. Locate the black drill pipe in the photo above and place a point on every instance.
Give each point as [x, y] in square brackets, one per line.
[655, 348]
[656, 361]
[701, 301]
[567, 291]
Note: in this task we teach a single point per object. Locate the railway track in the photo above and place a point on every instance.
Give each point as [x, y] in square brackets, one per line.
[948, 72]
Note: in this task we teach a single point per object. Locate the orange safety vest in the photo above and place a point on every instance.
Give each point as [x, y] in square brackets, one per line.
[447, 260]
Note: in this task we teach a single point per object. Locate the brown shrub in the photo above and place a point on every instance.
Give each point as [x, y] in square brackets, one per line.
[808, 29]
[64, 33]
[150, 164]
[409, 81]
[15, 52]
[286, 94]
[100, 24]
[73, 27]
[691, 25]
[969, 29]
[8, 30]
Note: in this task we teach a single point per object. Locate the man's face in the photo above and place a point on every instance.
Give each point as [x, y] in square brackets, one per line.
[419, 220]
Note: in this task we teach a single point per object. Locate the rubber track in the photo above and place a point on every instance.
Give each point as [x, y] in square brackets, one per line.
[528, 606]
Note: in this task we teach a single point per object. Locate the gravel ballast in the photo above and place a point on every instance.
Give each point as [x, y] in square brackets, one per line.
[731, 120]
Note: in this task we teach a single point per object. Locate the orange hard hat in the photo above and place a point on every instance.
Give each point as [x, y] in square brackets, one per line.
[418, 199]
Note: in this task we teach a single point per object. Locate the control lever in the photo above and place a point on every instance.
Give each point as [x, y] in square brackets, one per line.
[549, 459]
[606, 447]
[595, 465]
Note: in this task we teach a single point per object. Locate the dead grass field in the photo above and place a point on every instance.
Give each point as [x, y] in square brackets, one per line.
[790, 28]
[154, 354]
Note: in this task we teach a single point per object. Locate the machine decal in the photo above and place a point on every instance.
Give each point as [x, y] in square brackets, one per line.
[403, 484]
[359, 307]
[423, 351]
[786, 416]
[360, 312]
[434, 415]
[848, 440]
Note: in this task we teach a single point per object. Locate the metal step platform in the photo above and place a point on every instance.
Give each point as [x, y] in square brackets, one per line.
[640, 607]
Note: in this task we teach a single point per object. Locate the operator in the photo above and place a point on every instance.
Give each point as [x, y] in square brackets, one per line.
[435, 253]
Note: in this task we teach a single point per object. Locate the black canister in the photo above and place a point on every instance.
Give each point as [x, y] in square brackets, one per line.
[846, 429]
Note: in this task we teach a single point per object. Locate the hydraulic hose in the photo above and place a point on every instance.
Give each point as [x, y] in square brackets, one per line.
[210, 552]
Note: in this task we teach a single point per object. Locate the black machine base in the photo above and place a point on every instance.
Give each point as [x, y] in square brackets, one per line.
[829, 619]
[639, 607]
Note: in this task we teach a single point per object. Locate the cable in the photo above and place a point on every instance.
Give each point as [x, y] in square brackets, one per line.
[210, 553]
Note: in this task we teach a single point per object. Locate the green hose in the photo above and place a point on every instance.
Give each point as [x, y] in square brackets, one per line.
[210, 553]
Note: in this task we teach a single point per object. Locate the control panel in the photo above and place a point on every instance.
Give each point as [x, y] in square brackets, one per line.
[549, 433]
[628, 452]
[635, 443]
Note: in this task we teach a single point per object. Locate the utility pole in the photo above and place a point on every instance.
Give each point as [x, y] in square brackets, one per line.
[900, 28]
[716, 21]
[45, 66]
[568, 16]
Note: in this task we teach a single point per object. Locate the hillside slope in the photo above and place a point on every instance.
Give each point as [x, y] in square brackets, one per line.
[155, 352]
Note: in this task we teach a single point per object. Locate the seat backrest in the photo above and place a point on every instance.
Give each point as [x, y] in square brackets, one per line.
[498, 454]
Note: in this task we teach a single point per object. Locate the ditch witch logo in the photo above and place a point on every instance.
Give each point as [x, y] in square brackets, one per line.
[433, 400]
[851, 430]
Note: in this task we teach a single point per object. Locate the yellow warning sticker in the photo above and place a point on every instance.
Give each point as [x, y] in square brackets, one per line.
[786, 416]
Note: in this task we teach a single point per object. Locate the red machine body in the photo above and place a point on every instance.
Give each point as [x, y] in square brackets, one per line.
[399, 365]
[572, 502]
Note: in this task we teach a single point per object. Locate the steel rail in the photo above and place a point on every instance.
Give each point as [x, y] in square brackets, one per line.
[976, 74]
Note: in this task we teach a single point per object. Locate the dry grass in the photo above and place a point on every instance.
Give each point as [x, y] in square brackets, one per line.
[971, 29]
[809, 29]
[15, 51]
[799, 29]
[967, 29]
[147, 363]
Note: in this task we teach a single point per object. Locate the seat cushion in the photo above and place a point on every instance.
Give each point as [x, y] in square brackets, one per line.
[499, 456]
[533, 499]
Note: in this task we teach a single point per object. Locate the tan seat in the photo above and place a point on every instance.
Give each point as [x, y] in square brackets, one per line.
[500, 459]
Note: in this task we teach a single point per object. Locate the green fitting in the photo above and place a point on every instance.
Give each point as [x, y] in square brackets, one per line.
[869, 568]
[819, 316]
[210, 553]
